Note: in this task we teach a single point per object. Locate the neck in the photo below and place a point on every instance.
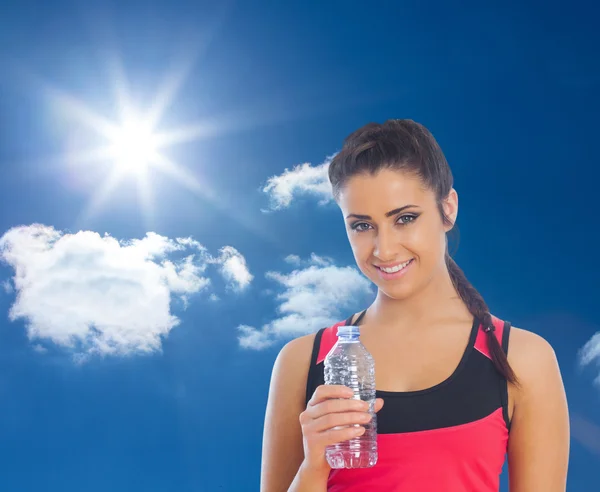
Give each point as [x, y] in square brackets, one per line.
[415, 312]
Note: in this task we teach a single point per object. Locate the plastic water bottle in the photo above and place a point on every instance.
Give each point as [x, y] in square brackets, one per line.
[350, 364]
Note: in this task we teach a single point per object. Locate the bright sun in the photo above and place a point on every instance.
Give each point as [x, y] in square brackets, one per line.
[134, 147]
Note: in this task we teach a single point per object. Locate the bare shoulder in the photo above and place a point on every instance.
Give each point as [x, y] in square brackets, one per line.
[538, 448]
[526, 346]
[291, 367]
[297, 352]
[531, 356]
[300, 344]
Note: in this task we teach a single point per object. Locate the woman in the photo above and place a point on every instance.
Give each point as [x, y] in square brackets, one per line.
[457, 388]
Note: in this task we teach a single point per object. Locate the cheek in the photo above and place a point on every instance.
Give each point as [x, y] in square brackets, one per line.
[361, 245]
[426, 243]
[362, 250]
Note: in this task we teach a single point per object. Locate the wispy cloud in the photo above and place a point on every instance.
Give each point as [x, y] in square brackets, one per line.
[7, 286]
[312, 298]
[234, 268]
[303, 179]
[314, 259]
[293, 260]
[590, 354]
[40, 349]
[99, 295]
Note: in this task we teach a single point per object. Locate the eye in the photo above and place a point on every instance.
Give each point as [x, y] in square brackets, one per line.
[407, 219]
[360, 226]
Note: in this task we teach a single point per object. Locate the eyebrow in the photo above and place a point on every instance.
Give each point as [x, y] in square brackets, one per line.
[388, 214]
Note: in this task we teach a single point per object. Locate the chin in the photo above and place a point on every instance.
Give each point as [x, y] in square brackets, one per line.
[398, 289]
[397, 293]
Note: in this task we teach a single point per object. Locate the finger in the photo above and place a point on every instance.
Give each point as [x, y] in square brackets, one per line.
[335, 436]
[333, 420]
[337, 405]
[327, 391]
[378, 404]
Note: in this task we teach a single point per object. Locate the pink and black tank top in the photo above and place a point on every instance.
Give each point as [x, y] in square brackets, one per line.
[451, 437]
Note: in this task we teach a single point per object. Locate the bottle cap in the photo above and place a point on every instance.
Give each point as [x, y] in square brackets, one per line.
[348, 331]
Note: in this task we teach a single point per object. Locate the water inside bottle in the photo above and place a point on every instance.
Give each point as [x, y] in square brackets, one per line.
[350, 364]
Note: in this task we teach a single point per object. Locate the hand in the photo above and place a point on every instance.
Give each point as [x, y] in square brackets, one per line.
[331, 406]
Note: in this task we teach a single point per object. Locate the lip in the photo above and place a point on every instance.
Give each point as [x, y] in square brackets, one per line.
[396, 275]
[392, 265]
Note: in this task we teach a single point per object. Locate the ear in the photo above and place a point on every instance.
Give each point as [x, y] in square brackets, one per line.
[450, 205]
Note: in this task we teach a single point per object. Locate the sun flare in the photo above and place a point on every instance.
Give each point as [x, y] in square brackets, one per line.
[134, 147]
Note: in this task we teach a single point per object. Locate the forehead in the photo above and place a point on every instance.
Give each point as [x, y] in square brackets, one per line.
[382, 192]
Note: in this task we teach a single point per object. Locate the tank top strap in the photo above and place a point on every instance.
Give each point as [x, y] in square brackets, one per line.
[324, 340]
[501, 333]
[328, 336]
[358, 320]
[328, 340]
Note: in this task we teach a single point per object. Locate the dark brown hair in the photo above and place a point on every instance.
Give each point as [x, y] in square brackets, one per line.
[407, 146]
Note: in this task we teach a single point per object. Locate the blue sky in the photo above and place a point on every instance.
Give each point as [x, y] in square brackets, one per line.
[139, 329]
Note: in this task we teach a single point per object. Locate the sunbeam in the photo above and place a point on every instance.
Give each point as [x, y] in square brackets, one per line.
[131, 146]
[105, 149]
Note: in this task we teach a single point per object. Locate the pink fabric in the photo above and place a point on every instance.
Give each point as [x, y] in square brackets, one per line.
[464, 458]
[328, 340]
[481, 343]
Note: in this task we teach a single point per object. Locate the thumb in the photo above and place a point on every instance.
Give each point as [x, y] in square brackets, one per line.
[378, 404]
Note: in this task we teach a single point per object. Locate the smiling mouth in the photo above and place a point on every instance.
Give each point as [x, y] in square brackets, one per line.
[395, 268]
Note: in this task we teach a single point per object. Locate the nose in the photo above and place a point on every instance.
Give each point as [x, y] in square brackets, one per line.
[385, 248]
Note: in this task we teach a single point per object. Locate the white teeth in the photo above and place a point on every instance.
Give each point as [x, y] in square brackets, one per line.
[397, 268]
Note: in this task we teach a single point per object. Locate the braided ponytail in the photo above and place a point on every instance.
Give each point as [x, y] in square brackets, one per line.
[479, 309]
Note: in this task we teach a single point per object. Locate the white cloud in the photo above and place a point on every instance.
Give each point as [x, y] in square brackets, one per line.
[251, 338]
[314, 259]
[8, 288]
[96, 294]
[590, 354]
[303, 179]
[293, 260]
[234, 268]
[320, 260]
[313, 297]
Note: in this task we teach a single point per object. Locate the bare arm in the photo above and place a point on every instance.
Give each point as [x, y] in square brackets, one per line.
[538, 451]
[283, 453]
[296, 435]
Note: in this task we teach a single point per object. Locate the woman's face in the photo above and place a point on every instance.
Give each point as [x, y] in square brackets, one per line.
[395, 230]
